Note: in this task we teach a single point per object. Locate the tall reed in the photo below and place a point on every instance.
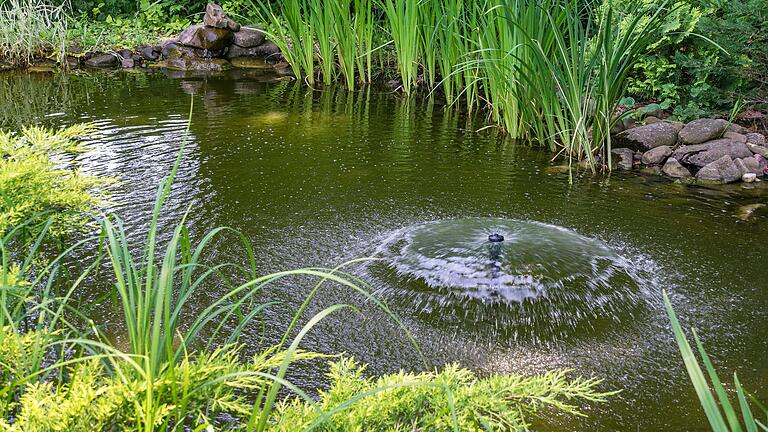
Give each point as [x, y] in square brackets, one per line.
[32, 28]
[403, 20]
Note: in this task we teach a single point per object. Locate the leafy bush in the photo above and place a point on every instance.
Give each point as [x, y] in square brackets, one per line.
[717, 57]
[32, 182]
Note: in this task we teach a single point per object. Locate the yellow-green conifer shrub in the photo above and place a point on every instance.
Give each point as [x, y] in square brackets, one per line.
[37, 175]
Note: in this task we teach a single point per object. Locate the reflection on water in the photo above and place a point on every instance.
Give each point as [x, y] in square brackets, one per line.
[318, 177]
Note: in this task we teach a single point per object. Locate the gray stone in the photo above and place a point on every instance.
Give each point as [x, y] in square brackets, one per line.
[703, 130]
[128, 63]
[125, 53]
[733, 127]
[102, 61]
[723, 170]
[196, 64]
[217, 18]
[704, 154]
[656, 155]
[206, 38]
[652, 120]
[758, 150]
[750, 165]
[650, 136]
[733, 136]
[265, 50]
[756, 139]
[628, 123]
[149, 53]
[748, 178]
[674, 169]
[623, 158]
[249, 37]
[175, 50]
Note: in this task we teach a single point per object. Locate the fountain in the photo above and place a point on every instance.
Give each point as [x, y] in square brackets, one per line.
[519, 277]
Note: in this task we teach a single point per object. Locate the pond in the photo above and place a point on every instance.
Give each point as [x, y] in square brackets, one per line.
[318, 178]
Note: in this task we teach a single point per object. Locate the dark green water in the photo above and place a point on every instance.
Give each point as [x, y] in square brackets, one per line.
[319, 178]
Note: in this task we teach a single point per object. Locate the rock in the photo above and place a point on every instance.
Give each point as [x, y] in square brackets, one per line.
[284, 68]
[756, 139]
[749, 177]
[128, 63]
[70, 62]
[102, 61]
[196, 64]
[674, 169]
[250, 63]
[617, 127]
[149, 53]
[723, 170]
[124, 53]
[656, 155]
[217, 18]
[750, 165]
[652, 120]
[746, 212]
[175, 50]
[206, 38]
[265, 50]
[623, 158]
[699, 131]
[628, 123]
[249, 37]
[704, 154]
[733, 136]
[733, 127]
[650, 136]
[758, 150]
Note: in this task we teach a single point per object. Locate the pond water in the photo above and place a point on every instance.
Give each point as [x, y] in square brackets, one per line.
[317, 178]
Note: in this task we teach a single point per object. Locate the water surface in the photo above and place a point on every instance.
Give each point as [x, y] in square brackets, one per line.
[316, 178]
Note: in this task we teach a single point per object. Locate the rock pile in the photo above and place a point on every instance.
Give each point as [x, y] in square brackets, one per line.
[218, 44]
[707, 150]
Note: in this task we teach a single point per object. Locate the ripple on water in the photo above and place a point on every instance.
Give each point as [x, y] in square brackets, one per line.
[541, 281]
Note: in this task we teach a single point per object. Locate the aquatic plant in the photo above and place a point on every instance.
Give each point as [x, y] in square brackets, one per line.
[31, 181]
[32, 28]
[720, 411]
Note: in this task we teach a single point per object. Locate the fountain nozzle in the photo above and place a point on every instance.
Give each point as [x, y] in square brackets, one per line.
[495, 238]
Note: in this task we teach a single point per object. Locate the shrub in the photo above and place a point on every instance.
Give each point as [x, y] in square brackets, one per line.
[38, 176]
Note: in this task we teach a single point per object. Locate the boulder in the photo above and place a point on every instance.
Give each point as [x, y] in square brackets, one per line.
[733, 127]
[249, 37]
[623, 158]
[674, 169]
[652, 120]
[750, 165]
[749, 178]
[723, 170]
[196, 64]
[703, 154]
[265, 50]
[125, 53]
[703, 130]
[758, 150]
[756, 139]
[650, 136]
[656, 155]
[128, 63]
[149, 53]
[206, 38]
[175, 50]
[216, 17]
[102, 61]
[733, 136]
